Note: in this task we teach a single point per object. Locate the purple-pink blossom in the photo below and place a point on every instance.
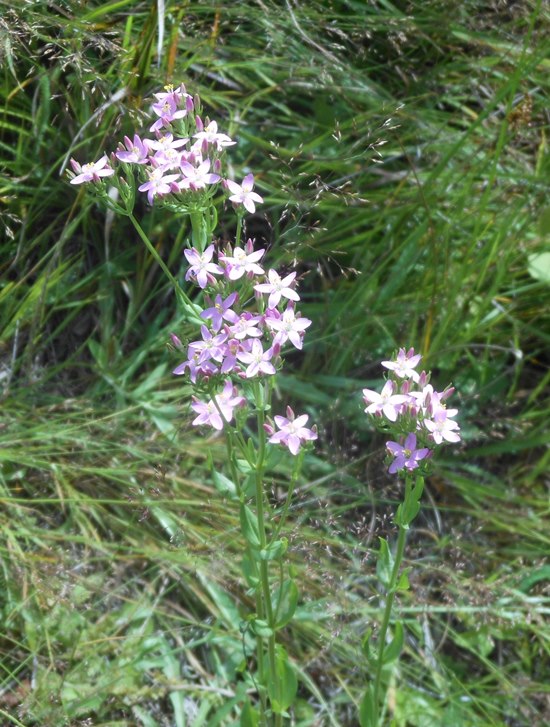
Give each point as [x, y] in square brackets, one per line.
[169, 106]
[258, 360]
[442, 427]
[288, 327]
[243, 261]
[385, 402]
[292, 431]
[404, 365]
[197, 177]
[166, 141]
[406, 455]
[201, 266]
[215, 413]
[221, 310]
[136, 152]
[92, 171]
[243, 194]
[210, 135]
[211, 347]
[277, 288]
[159, 183]
[246, 326]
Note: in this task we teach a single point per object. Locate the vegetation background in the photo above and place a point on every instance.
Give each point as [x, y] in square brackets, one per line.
[402, 151]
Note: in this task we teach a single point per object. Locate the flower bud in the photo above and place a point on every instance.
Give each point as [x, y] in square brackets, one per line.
[177, 343]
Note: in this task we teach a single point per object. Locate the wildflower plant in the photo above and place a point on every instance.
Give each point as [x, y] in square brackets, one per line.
[415, 415]
[246, 315]
[245, 319]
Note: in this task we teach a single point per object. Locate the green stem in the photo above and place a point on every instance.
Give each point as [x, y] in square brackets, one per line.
[239, 229]
[390, 597]
[259, 398]
[190, 308]
[198, 229]
[298, 460]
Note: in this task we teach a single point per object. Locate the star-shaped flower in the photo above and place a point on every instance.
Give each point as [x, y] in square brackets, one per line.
[243, 194]
[201, 266]
[292, 431]
[277, 288]
[406, 455]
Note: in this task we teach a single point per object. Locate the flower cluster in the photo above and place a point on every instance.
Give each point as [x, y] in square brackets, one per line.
[181, 158]
[239, 342]
[179, 165]
[409, 405]
[236, 340]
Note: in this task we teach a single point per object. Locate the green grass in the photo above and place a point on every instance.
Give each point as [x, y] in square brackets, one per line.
[402, 151]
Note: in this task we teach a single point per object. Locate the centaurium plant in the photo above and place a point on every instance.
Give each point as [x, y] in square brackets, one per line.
[411, 411]
[245, 318]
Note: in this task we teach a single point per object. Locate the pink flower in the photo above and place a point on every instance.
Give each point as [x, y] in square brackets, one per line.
[169, 158]
[246, 326]
[243, 261]
[221, 310]
[206, 368]
[201, 266]
[167, 110]
[165, 142]
[292, 431]
[243, 194]
[215, 413]
[258, 360]
[92, 171]
[211, 136]
[277, 288]
[386, 402]
[406, 455]
[137, 151]
[289, 327]
[442, 427]
[159, 183]
[404, 365]
[197, 177]
[211, 347]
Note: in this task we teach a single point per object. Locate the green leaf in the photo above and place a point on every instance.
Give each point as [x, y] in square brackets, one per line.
[392, 651]
[544, 222]
[249, 526]
[384, 564]
[249, 716]
[370, 652]
[283, 685]
[224, 485]
[250, 569]
[275, 550]
[261, 628]
[403, 582]
[286, 600]
[367, 710]
[538, 265]
[409, 509]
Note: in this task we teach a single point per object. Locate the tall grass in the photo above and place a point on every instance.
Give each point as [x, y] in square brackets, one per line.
[402, 151]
